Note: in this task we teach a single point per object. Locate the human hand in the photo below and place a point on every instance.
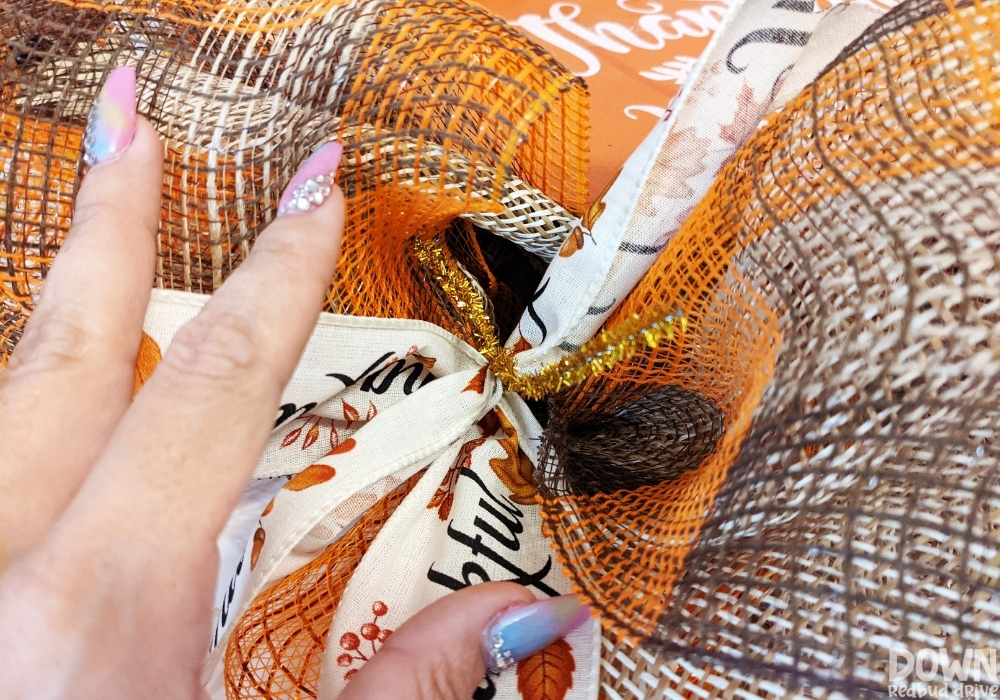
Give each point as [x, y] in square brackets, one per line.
[111, 507]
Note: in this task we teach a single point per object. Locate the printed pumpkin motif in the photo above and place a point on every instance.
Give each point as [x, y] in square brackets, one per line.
[355, 648]
[547, 674]
[515, 470]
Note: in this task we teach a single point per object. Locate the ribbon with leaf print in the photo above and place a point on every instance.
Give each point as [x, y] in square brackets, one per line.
[378, 409]
[729, 92]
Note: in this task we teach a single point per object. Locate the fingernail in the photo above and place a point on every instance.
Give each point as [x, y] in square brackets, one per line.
[519, 633]
[111, 124]
[313, 182]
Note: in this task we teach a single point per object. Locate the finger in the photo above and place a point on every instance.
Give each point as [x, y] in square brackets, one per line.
[441, 652]
[69, 381]
[134, 556]
[186, 449]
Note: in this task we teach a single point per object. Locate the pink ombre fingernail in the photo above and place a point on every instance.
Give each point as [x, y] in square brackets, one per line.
[313, 182]
[519, 633]
[111, 124]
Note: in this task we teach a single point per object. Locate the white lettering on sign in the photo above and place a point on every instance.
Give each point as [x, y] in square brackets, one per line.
[656, 28]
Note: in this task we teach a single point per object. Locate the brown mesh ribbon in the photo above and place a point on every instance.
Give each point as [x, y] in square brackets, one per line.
[842, 283]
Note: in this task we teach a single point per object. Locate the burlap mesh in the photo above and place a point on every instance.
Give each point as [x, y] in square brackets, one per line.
[812, 463]
[842, 284]
[442, 109]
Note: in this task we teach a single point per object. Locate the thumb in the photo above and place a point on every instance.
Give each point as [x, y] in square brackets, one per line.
[441, 653]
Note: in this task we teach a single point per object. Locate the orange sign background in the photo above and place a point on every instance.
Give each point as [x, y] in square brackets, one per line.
[634, 55]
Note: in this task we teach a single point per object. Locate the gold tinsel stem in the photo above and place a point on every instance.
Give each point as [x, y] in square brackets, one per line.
[602, 352]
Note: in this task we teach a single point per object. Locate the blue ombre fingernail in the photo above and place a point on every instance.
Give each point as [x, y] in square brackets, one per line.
[516, 634]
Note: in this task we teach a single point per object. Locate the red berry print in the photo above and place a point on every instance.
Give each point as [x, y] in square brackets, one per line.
[371, 632]
[349, 641]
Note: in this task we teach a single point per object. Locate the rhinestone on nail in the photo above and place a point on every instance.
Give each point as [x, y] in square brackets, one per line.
[89, 140]
[500, 659]
[308, 195]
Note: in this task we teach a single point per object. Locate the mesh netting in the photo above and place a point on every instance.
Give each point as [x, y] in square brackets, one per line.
[655, 439]
[442, 109]
[811, 460]
[841, 282]
[276, 649]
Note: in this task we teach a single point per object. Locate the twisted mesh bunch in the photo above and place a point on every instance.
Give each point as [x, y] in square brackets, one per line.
[652, 440]
[842, 285]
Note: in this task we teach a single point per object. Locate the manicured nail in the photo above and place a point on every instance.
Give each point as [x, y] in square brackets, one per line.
[313, 182]
[111, 124]
[519, 633]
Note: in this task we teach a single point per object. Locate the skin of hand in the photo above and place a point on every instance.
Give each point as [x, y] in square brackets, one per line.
[111, 507]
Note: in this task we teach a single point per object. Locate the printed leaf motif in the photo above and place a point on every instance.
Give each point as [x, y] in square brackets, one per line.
[445, 494]
[346, 446]
[478, 382]
[372, 411]
[521, 345]
[595, 211]
[746, 118]
[515, 470]
[684, 152]
[268, 508]
[145, 362]
[312, 436]
[258, 544]
[547, 674]
[350, 413]
[489, 424]
[427, 362]
[292, 437]
[311, 476]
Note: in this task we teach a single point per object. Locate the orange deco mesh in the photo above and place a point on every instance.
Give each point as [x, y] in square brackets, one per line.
[440, 107]
[841, 282]
[809, 454]
[277, 647]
